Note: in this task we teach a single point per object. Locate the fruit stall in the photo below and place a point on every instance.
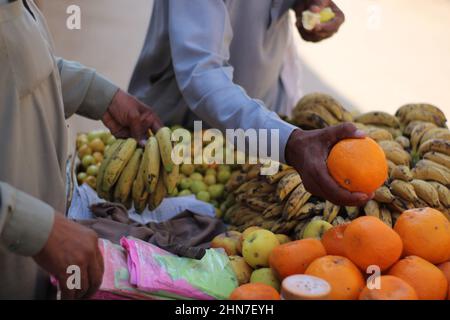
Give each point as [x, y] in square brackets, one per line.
[282, 242]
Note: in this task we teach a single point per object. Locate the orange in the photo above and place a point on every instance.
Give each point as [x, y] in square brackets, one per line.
[425, 233]
[391, 288]
[368, 241]
[333, 240]
[255, 291]
[428, 281]
[344, 277]
[445, 268]
[358, 165]
[294, 257]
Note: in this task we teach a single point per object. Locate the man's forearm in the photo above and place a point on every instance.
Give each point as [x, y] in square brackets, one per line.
[25, 222]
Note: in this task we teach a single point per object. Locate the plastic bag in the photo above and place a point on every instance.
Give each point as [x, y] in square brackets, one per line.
[157, 271]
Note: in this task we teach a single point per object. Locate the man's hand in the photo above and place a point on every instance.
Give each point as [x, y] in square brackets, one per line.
[72, 244]
[323, 30]
[307, 152]
[127, 117]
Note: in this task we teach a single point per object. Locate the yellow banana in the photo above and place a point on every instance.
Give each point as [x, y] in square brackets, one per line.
[236, 179]
[378, 134]
[141, 203]
[418, 132]
[125, 182]
[443, 193]
[300, 228]
[436, 133]
[396, 154]
[310, 120]
[171, 179]
[138, 188]
[153, 165]
[318, 109]
[305, 211]
[386, 216]
[430, 171]
[384, 195]
[287, 184]
[437, 145]
[117, 163]
[401, 173]
[410, 127]
[426, 192]
[158, 196]
[372, 209]
[257, 204]
[338, 221]
[403, 141]
[329, 103]
[254, 172]
[352, 212]
[296, 200]
[378, 118]
[404, 190]
[273, 211]
[391, 166]
[277, 176]
[331, 211]
[101, 172]
[165, 147]
[246, 186]
[421, 112]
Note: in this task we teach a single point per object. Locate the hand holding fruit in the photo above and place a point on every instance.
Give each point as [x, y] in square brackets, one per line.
[72, 244]
[307, 152]
[329, 24]
[127, 117]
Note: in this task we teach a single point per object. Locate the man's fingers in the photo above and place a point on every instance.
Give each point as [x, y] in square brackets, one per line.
[343, 131]
[95, 270]
[111, 123]
[137, 128]
[318, 5]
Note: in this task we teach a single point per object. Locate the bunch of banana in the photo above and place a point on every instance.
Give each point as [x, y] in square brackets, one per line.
[380, 125]
[317, 110]
[421, 112]
[133, 176]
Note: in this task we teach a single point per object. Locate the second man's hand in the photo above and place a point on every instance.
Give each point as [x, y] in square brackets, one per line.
[307, 152]
[128, 117]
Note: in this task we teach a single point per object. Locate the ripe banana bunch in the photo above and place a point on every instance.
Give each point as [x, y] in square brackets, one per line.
[421, 112]
[430, 171]
[287, 184]
[295, 202]
[317, 111]
[395, 153]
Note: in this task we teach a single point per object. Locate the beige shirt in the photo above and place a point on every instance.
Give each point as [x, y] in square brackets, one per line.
[37, 93]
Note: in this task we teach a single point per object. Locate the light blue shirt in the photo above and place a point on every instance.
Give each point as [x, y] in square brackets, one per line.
[216, 60]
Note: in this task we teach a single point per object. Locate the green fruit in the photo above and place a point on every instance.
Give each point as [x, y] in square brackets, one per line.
[326, 15]
[87, 161]
[82, 140]
[84, 150]
[266, 276]
[174, 193]
[315, 229]
[92, 170]
[94, 135]
[105, 135]
[198, 186]
[111, 140]
[224, 167]
[184, 193]
[210, 179]
[210, 171]
[257, 247]
[81, 177]
[98, 156]
[97, 145]
[216, 191]
[203, 196]
[91, 181]
[223, 176]
[185, 183]
[196, 177]
[187, 169]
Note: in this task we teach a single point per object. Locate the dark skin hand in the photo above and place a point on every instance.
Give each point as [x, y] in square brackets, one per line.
[69, 244]
[307, 152]
[323, 30]
[128, 117]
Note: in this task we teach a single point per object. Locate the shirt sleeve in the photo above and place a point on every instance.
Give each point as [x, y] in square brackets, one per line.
[85, 92]
[25, 222]
[200, 35]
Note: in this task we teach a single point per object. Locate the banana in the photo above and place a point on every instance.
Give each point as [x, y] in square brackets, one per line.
[386, 216]
[268, 224]
[372, 209]
[426, 192]
[400, 205]
[378, 134]
[384, 195]
[334, 107]
[319, 207]
[403, 141]
[295, 201]
[430, 171]
[158, 196]
[396, 154]
[443, 193]
[310, 120]
[265, 188]
[171, 179]
[421, 112]
[391, 166]
[390, 144]
[125, 182]
[153, 165]
[418, 132]
[287, 184]
[410, 127]
[352, 212]
[117, 163]
[401, 173]
[138, 188]
[165, 147]
[246, 187]
[338, 221]
[257, 203]
[236, 179]
[254, 172]
[436, 133]
[378, 118]
[277, 176]
[395, 132]
[438, 145]
[307, 210]
[318, 109]
[285, 227]
[300, 228]
[141, 203]
[404, 190]
[331, 211]
[273, 211]
[101, 172]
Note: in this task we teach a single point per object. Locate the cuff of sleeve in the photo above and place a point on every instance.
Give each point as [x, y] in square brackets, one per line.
[98, 98]
[284, 129]
[27, 222]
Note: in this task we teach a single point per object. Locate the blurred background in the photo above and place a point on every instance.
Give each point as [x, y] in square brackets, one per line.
[388, 53]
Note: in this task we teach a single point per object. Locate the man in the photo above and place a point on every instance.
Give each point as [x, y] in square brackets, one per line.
[37, 93]
[221, 60]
